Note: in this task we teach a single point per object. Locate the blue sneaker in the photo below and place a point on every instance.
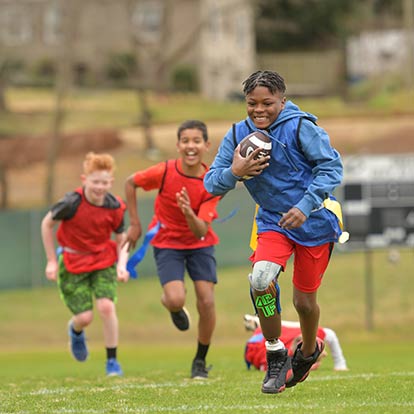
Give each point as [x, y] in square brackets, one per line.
[113, 368]
[78, 344]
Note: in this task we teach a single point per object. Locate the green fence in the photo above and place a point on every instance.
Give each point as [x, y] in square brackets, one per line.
[23, 259]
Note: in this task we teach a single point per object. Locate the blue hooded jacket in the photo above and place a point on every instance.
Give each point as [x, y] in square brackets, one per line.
[303, 171]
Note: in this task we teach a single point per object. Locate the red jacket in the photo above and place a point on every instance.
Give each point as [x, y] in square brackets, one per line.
[174, 232]
[85, 231]
[255, 352]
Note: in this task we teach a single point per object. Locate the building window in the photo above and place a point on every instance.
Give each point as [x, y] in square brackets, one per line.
[15, 25]
[242, 30]
[147, 20]
[215, 24]
[52, 25]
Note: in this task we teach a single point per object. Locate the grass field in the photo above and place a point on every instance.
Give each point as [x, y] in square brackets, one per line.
[38, 375]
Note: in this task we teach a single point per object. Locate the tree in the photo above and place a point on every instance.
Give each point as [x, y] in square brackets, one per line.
[8, 66]
[3, 185]
[286, 25]
[409, 28]
[3, 105]
[158, 54]
[138, 80]
[69, 13]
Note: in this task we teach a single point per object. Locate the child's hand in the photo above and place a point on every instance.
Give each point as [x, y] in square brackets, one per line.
[52, 270]
[198, 226]
[293, 219]
[184, 202]
[132, 235]
[122, 274]
[249, 166]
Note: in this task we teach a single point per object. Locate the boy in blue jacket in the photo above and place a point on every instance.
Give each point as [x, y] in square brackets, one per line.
[289, 186]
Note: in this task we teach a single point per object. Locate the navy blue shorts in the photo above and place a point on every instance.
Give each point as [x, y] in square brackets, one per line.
[172, 263]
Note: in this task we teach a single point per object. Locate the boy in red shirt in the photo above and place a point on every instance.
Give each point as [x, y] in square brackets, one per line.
[90, 263]
[185, 241]
[291, 335]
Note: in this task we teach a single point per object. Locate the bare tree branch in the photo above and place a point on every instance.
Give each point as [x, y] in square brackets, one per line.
[63, 80]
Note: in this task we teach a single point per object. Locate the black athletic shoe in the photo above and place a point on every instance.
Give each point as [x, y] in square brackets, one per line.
[199, 370]
[279, 370]
[301, 366]
[181, 319]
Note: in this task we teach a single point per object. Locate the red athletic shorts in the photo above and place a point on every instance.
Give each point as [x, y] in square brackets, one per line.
[309, 264]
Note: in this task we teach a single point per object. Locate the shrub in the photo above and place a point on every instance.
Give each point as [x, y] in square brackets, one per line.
[120, 67]
[184, 79]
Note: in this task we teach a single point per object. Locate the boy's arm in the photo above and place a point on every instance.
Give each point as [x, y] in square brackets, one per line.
[134, 230]
[230, 166]
[197, 225]
[122, 248]
[327, 174]
[48, 243]
[337, 355]
[149, 179]
[327, 170]
[220, 178]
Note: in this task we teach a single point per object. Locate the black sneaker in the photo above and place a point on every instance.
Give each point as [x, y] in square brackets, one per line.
[279, 370]
[301, 366]
[199, 370]
[181, 319]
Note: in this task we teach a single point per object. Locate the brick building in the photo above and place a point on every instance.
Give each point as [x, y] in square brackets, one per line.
[214, 37]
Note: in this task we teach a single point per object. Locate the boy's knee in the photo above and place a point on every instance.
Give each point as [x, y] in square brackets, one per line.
[305, 307]
[105, 307]
[173, 303]
[83, 319]
[205, 304]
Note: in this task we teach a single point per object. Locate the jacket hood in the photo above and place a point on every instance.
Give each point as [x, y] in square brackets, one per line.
[290, 111]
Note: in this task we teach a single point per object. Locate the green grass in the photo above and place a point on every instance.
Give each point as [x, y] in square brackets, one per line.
[156, 381]
[38, 375]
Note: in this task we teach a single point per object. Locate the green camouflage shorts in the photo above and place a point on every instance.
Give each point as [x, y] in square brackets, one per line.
[78, 290]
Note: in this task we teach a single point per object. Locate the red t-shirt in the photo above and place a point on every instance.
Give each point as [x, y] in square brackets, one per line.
[255, 352]
[85, 231]
[174, 232]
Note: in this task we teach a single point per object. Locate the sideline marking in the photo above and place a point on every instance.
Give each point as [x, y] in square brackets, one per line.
[118, 387]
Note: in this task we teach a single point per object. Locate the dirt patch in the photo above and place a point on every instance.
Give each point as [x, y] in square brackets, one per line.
[21, 151]
[371, 135]
[27, 174]
[348, 135]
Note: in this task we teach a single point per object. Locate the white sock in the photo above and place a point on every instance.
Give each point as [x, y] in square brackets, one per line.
[275, 345]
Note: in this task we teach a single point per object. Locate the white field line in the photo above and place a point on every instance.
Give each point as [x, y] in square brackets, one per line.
[212, 408]
[116, 387]
[363, 376]
[123, 386]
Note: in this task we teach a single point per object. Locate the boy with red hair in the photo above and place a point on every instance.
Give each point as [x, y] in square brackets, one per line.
[90, 263]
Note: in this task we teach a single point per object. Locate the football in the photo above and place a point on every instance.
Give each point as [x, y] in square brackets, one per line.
[253, 141]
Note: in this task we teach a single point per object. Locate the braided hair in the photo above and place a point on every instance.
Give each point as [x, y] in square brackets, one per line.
[270, 80]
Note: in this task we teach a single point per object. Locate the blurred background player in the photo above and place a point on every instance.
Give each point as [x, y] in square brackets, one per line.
[255, 350]
[90, 263]
[290, 187]
[185, 241]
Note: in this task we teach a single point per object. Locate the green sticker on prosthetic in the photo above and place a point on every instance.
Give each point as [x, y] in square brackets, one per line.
[267, 303]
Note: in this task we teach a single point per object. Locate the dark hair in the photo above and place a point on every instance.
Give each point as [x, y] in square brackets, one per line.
[193, 124]
[270, 80]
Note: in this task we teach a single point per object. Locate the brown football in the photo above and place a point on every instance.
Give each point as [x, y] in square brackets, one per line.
[253, 141]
